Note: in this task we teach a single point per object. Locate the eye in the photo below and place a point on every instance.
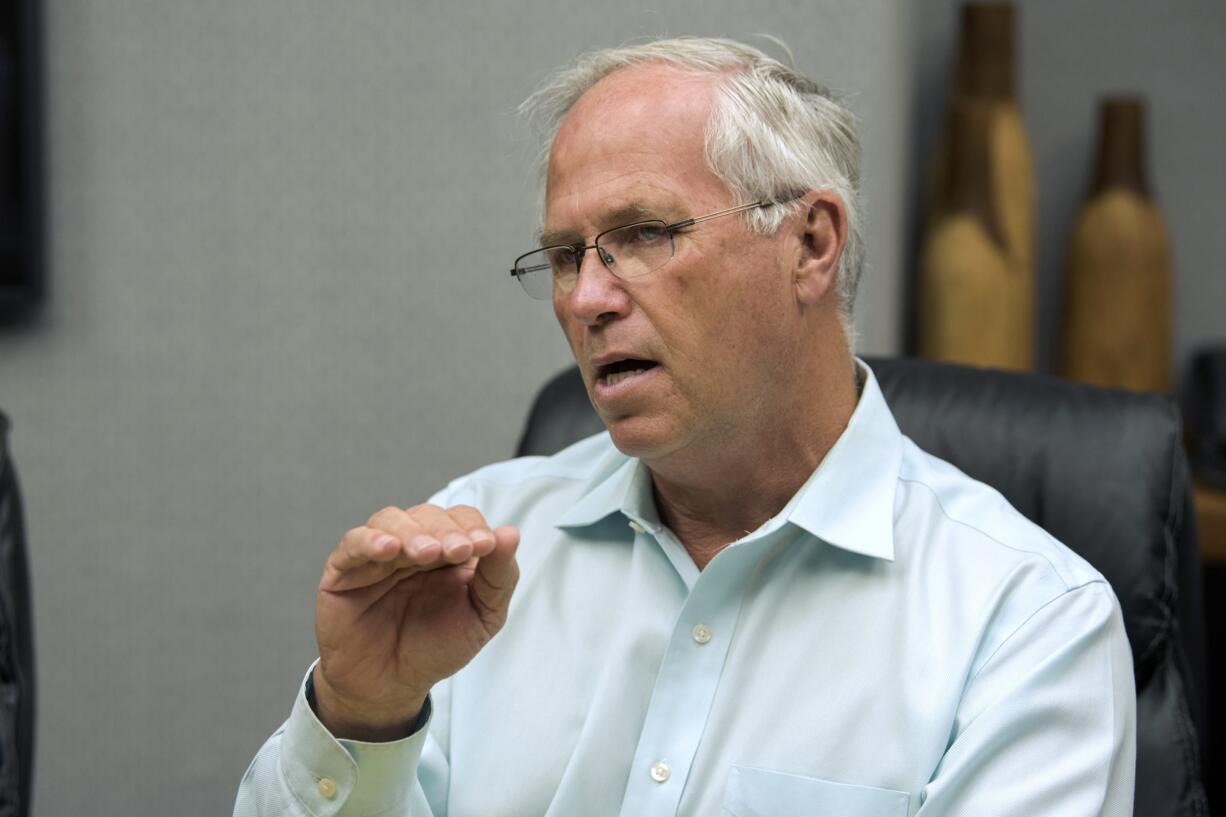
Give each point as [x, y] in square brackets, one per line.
[650, 233]
[637, 237]
[562, 259]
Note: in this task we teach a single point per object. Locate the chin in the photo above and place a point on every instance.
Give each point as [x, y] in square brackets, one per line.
[642, 437]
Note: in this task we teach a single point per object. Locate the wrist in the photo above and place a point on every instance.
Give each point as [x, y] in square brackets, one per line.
[348, 720]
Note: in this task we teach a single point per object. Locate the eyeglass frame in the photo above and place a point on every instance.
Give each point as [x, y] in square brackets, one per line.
[671, 229]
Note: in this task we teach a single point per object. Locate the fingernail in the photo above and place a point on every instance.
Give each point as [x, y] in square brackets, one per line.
[419, 544]
[481, 536]
[454, 541]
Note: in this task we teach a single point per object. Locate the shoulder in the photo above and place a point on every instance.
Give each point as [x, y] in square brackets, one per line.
[986, 566]
[967, 519]
[983, 563]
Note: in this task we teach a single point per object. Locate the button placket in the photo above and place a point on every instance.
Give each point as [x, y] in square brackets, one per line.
[685, 688]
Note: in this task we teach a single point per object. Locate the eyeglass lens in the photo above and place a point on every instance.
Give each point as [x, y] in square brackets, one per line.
[628, 252]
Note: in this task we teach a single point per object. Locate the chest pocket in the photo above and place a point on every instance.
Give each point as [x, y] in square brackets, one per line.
[761, 793]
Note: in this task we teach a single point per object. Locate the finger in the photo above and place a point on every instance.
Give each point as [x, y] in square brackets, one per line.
[418, 544]
[457, 547]
[495, 578]
[368, 543]
[363, 557]
[360, 546]
[473, 523]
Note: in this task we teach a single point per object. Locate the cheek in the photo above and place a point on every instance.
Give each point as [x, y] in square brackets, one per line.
[698, 326]
[747, 320]
[732, 299]
[564, 321]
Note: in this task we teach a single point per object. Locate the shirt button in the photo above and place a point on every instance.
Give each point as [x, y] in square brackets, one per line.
[660, 772]
[701, 633]
[636, 527]
[327, 787]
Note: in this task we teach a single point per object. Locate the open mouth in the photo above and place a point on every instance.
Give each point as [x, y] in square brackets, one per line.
[610, 374]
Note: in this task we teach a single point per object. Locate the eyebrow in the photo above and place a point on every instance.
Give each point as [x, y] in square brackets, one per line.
[619, 216]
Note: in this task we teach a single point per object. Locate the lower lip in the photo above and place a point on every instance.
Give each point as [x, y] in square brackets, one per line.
[604, 392]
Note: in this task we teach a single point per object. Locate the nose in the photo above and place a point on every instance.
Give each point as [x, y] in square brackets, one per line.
[599, 296]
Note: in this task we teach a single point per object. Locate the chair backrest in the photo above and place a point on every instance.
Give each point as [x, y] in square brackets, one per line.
[1103, 471]
[16, 646]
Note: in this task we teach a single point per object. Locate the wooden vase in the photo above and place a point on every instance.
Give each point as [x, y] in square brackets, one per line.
[1116, 329]
[976, 287]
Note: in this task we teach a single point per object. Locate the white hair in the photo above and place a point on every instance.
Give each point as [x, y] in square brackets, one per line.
[772, 132]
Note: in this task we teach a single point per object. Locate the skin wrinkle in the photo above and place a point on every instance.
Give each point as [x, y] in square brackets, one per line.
[617, 216]
[753, 385]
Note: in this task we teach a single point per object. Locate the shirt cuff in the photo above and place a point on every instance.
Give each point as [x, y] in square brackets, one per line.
[326, 774]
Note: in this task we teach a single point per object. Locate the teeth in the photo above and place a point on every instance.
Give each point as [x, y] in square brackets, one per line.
[618, 377]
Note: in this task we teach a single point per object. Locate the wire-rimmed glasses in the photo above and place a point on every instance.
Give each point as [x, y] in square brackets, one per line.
[629, 251]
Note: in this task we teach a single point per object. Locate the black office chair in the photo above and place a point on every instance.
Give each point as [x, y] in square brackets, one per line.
[16, 646]
[1103, 471]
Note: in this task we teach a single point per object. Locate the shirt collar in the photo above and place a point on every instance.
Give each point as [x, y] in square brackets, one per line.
[607, 493]
[848, 502]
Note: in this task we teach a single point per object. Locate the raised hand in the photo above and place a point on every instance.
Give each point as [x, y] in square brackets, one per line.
[405, 601]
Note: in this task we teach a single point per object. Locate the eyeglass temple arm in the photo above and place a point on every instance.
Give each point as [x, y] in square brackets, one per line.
[689, 222]
[579, 249]
[536, 268]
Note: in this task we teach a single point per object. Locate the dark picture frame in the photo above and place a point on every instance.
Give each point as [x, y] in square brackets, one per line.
[21, 265]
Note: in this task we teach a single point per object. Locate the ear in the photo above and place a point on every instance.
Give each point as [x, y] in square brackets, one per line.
[823, 236]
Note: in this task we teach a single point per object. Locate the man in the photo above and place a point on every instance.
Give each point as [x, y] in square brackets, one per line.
[753, 595]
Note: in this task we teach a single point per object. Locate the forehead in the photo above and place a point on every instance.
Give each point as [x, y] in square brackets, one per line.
[635, 137]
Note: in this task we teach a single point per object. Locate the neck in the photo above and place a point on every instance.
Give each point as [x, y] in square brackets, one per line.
[711, 498]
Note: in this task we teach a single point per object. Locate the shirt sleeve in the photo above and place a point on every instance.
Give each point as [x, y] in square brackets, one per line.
[1047, 725]
[303, 771]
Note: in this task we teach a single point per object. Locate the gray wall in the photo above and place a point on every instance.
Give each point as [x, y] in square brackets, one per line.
[277, 241]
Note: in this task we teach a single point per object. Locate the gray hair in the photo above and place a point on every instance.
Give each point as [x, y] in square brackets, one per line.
[772, 132]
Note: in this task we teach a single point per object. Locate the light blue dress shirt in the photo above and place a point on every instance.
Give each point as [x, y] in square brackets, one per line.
[896, 641]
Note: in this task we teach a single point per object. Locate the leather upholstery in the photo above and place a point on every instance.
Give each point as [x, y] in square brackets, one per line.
[16, 647]
[1205, 412]
[1103, 471]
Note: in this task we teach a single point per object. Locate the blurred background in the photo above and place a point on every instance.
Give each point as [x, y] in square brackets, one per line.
[274, 299]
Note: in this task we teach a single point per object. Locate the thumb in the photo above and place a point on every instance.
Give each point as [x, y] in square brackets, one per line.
[495, 577]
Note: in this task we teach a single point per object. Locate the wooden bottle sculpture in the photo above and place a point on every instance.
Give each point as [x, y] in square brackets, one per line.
[981, 312]
[1117, 299]
[967, 284]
